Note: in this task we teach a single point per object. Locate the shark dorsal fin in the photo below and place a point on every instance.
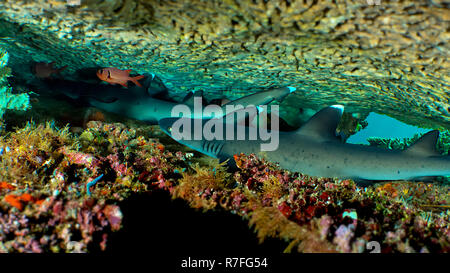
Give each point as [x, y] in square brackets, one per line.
[323, 124]
[426, 145]
[154, 87]
[189, 99]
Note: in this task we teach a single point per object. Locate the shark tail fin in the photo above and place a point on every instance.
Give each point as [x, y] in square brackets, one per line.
[426, 145]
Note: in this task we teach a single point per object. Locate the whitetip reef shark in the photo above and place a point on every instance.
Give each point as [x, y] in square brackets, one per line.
[145, 103]
[314, 149]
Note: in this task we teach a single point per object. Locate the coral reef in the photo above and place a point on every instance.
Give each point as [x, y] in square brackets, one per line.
[389, 58]
[332, 215]
[8, 100]
[61, 192]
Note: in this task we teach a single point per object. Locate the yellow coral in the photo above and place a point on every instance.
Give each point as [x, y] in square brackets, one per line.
[203, 179]
[272, 188]
[269, 222]
[31, 148]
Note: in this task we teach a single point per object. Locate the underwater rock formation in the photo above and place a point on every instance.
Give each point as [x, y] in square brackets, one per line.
[389, 57]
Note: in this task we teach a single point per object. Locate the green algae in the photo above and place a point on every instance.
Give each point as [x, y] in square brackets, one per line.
[8, 100]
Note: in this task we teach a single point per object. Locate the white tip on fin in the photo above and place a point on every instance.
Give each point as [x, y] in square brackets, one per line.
[338, 106]
[153, 76]
[323, 124]
[291, 89]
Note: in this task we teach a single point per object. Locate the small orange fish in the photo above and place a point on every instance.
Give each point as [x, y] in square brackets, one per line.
[45, 70]
[113, 75]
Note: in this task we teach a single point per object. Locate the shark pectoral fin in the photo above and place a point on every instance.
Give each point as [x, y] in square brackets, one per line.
[323, 124]
[426, 145]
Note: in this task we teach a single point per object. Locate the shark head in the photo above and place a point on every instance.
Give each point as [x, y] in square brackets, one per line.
[166, 125]
[187, 137]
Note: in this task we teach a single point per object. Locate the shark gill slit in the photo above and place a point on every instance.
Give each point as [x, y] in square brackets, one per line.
[212, 147]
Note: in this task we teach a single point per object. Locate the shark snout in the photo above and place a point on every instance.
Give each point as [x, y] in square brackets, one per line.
[166, 125]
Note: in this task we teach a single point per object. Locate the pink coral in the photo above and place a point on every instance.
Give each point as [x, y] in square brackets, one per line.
[344, 234]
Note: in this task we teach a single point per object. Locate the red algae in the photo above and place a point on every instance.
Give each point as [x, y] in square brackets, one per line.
[14, 201]
[6, 186]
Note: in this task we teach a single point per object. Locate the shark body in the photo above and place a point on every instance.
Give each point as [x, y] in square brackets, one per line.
[315, 150]
[151, 102]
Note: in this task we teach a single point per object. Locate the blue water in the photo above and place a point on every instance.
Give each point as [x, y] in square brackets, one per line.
[383, 126]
